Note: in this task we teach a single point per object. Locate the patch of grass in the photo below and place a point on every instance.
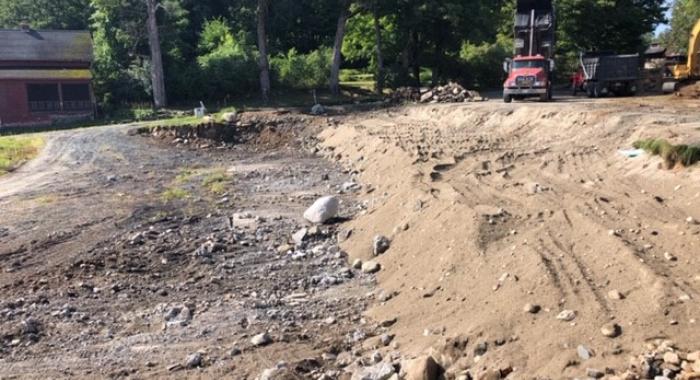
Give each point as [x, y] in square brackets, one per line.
[216, 182]
[14, 151]
[685, 155]
[174, 193]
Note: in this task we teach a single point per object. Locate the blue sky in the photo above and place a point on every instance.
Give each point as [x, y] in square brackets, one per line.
[663, 27]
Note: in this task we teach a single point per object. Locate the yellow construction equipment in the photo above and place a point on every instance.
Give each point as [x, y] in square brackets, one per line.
[680, 73]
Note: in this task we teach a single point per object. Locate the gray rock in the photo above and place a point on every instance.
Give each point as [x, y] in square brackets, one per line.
[381, 244]
[381, 371]
[371, 267]
[194, 360]
[611, 330]
[386, 339]
[30, 326]
[300, 236]
[583, 352]
[567, 316]
[357, 264]
[261, 340]
[322, 210]
[318, 109]
[531, 308]
[594, 373]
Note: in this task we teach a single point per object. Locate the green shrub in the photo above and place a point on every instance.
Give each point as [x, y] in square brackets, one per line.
[483, 63]
[685, 155]
[302, 71]
[227, 63]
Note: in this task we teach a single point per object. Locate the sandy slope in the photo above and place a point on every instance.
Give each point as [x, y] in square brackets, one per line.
[536, 196]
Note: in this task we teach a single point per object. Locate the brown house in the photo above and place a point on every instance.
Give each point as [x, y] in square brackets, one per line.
[45, 77]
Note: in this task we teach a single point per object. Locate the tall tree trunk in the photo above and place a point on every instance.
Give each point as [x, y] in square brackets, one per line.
[264, 62]
[338, 46]
[380, 57]
[415, 65]
[157, 74]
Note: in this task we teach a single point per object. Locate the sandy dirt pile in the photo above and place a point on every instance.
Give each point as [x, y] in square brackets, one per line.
[520, 240]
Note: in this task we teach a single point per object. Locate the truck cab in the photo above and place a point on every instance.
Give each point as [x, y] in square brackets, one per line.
[528, 76]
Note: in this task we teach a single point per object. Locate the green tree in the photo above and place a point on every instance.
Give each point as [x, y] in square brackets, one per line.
[686, 14]
[45, 14]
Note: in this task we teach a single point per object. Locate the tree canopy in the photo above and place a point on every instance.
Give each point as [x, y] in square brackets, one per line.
[210, 49]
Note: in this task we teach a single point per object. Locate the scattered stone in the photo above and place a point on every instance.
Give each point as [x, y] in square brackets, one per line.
[672, 358]
[381, 371]
[371, 267]
[423, 368]
[567, 316]
[694, 356]
[492, 374]
[194, 360]
[300, 236]
[323, 210]
[616, 295]
[230, 117]
[386, 339]
[388, 322]
[594, 373]
[583, 352]
[318, 110]
[531, 308]
[261, 340]
[611, 330]
[381, 245]
[670, 257]
[357, 264]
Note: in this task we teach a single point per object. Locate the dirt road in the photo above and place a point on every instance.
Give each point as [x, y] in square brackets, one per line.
[126, 256]
[522, 242]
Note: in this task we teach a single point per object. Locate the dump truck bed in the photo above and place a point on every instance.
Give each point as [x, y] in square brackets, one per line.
[611, 67]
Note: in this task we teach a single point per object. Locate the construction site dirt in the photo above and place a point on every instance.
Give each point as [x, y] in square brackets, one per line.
[500, 240]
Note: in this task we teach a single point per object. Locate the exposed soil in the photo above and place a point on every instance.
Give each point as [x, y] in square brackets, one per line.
[490, 207]
[160, 254]
[118, 260]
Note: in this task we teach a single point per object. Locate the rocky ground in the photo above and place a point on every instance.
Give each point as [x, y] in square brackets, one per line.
[472, 241]
[130, 256]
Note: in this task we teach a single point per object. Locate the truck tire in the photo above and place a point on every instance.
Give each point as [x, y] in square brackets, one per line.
[507, 98]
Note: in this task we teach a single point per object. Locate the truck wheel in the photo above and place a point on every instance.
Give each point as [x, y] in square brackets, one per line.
[507, 98]
[550, 94]
[544, 97]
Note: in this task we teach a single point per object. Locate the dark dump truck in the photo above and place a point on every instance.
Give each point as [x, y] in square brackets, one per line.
[610, 74]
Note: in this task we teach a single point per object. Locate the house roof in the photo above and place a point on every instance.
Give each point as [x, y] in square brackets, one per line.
[45, 45]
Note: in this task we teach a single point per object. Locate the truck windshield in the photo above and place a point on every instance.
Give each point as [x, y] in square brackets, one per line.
[537, 64]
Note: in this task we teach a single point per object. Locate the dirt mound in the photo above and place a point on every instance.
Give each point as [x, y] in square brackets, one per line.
[691, 91]
[270, 130]
[525, 231]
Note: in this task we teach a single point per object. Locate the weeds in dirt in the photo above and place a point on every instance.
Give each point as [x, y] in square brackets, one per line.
[174, 193]
[14, 151]
[216, 182]
[672, 155]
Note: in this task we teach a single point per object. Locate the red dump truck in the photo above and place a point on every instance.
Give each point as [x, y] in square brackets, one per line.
[531, 69]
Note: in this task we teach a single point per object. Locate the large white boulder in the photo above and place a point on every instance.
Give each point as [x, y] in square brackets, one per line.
[323, 210]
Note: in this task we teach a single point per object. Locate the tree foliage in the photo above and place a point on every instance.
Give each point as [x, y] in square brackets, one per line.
[210, 51]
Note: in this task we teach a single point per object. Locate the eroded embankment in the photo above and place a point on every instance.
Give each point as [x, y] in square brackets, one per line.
[490, 208]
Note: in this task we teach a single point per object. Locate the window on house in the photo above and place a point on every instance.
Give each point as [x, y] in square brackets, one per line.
[43, 97]
[76, 97]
